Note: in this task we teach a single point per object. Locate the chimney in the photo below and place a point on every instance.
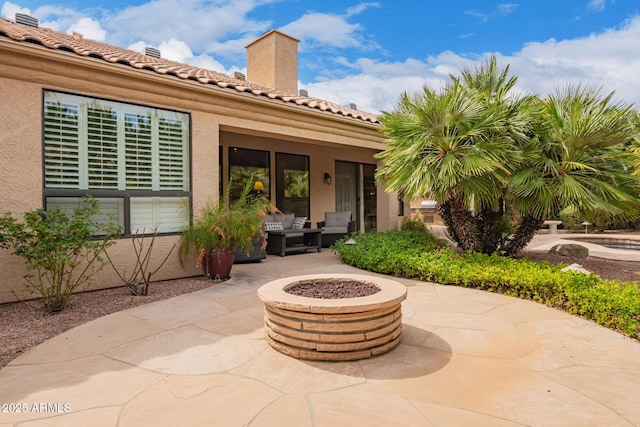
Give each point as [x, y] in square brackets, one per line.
[272, 60]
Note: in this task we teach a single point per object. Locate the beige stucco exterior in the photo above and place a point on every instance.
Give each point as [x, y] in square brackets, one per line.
[218, 116]
[272, 61]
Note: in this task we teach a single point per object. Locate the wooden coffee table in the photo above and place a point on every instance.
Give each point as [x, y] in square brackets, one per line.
[277, 240]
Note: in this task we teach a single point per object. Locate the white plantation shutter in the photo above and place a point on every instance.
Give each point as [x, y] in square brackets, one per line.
[102, 148]
[138, 152]
[171, 214]
[171, 155]
[61, 166]
[111, 210]
[105, 145]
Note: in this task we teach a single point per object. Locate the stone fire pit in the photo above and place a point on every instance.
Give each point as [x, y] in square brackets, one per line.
[333, 329]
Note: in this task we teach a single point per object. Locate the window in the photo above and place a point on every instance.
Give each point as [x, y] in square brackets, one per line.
[134, 159]
[244, 164]
[292, 184]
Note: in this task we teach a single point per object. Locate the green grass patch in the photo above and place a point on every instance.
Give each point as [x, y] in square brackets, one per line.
[418, 255]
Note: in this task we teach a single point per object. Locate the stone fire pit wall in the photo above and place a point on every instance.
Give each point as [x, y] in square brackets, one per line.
[333, 329]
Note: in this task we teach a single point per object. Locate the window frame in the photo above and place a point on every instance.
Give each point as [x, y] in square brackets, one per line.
[266, 191]
[125, 194]
[281, 159]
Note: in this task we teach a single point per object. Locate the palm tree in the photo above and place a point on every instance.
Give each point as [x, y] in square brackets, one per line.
[459, 146]
[634, 146]
[488, 156]
[580, 161]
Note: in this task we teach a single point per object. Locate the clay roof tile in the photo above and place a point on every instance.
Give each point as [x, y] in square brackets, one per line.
[77, 44]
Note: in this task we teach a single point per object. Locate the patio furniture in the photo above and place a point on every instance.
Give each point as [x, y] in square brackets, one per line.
[286, 222]
[553, 226]
[335, 226]
[281, 242]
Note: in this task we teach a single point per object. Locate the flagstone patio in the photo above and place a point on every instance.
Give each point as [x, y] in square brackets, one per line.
[466, 358]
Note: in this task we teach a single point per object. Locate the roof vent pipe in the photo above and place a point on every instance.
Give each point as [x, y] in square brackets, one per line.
[238, 75]
[27, 20]
[353, 106]
[152, 52]
[303, 92]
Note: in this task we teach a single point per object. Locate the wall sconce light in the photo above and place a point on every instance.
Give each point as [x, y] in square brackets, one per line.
[258, 186]
[327, 178]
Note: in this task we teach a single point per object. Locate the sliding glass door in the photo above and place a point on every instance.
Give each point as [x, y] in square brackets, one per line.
[356, 192]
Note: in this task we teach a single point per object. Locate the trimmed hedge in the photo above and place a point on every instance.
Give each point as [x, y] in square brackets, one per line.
[415, 254]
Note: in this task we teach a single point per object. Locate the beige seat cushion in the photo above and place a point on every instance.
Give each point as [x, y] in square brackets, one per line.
[335, 230]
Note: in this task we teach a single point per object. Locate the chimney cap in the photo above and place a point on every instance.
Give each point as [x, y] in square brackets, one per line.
[270, 32]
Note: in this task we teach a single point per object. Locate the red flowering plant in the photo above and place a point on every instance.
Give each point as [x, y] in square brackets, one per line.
[226, 225]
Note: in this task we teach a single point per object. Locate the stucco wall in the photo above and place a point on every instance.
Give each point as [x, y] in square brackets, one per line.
[322, 159]
[20, 166]
[28, 69]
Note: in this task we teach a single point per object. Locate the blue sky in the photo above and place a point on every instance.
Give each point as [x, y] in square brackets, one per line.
[369, 53]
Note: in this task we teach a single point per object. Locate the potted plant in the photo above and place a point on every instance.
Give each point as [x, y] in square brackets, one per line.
[220, 229]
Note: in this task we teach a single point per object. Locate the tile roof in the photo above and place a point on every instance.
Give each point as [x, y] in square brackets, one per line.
[84, 47]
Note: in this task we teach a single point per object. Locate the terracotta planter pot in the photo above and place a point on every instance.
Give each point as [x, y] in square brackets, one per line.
[217, 264]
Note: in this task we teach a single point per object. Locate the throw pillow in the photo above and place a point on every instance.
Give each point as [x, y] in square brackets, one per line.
[273, 226]
[299, 222]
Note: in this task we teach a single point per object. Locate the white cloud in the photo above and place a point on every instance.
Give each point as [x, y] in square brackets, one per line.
[138, 46]
[202, 24]
[598, 5]
[502, 9]
[217, 31]
[610, 59]
[482, 17]
[9, 10]
[506, 8]
[377, 85]
[208, 62]
[326, 30]
[359, 8]
[89, 28]
[312, 27]
[175, 50]
[178, 50]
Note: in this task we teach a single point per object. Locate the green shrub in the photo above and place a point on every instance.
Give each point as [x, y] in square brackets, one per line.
[59, 250]
[408, 254]
[385, 252]
[413, 224]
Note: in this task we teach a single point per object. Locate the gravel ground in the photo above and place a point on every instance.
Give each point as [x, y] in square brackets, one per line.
[23, 325]
[333, 289]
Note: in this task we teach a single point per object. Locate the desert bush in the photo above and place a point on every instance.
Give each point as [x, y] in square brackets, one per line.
[572, 221]
[139, 279]
[613, 304]
[59, 249]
